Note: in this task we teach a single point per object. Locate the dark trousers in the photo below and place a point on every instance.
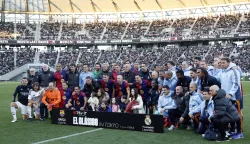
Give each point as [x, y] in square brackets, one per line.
[174, 116]
[220, 126]
[43, 109]
[238, 123]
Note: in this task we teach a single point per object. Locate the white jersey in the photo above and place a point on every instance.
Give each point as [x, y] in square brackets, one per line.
[36, 96]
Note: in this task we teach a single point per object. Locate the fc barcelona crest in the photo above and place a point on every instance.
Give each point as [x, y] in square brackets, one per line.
[147, 120]
[62, 113]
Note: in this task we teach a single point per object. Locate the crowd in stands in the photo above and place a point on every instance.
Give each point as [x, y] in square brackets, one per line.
[223, 24]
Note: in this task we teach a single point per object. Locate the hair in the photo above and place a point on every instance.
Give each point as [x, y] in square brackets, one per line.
[86, 64]
[77, 87]
[103, 93]
[197, 58]
[193, 70]
[172, 63]
[180, 72]
[203, 70]
[88, 77]
[156, 65]
[98, 64]
[156, 83]
[32, 69]
[74, 65]
[206, 90]
[204, 61]
[226, 59]
[136, 93]
[35, 84]
[94, 94]
[25, 78]
[193, 83]
[166, 86]
[105, 74]
[137, 75]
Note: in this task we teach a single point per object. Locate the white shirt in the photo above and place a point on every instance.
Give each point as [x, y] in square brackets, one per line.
[36, 96]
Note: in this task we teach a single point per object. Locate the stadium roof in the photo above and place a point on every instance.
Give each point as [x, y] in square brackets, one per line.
[90, 6]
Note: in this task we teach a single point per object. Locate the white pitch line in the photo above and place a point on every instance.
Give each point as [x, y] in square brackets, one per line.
[64, 137]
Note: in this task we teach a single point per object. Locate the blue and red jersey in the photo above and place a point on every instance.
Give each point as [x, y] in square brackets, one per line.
[78, 100]
[108, 87]
[58, 77]
[121, 89]
[65, 96]
[143, 89]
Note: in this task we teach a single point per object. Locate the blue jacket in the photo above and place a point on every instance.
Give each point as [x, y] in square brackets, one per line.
[187, 71]
[166, 101]
[82, 78]
[210, 70]
[230, 81]
[171, 83]
[201, 108]
[217, 73]
[195, 100]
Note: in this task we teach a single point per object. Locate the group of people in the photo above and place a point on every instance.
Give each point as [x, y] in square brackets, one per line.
[198, 96]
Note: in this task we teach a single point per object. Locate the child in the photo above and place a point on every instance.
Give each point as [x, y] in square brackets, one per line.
[93, 102]
[104, 107]
[115, 106]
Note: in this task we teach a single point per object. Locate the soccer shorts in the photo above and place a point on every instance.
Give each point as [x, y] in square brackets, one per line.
[23, 108]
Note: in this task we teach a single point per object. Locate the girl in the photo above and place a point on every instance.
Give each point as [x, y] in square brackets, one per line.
[102, 96]
[115, 107]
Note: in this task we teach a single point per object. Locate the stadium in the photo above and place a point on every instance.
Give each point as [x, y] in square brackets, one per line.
[154, 48]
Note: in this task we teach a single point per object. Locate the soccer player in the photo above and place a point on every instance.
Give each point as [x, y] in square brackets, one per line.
[35, 99]
[197, 61]
[60, 76]
[23, 92]
[143, 87]
[183, 81]
[107, 85]
[78, 100]
[230, 82]
[73, 77]
[122, 90]
[90, 86]
[32, 76]
[51, 99]
[128, 75]
[84, 75]
[210, 69]
[170, 80]
[186, 68]
[144, 72]
[65, 95]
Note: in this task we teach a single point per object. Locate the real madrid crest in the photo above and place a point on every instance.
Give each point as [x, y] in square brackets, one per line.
[147, 120]
[62, 113]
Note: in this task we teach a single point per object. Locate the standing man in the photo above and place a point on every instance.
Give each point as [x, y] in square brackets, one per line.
[171, 67]
[90, 86]
[206, 79]
[128, 75]
[194, 77]
[83, 75]
[230, 82]
[210, 69]
[23, 92]
[186, 68]
[144, 72]
[60, 76]
[197, 61]
[107, 85]
[97, 71]
[32, 76]
[73, 77]
[170, 81]
[183, 81]
[50, 100]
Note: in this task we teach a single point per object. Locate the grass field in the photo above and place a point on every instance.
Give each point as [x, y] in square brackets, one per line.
[23, 132]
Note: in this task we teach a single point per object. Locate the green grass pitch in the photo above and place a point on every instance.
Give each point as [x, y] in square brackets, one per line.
[23, 132]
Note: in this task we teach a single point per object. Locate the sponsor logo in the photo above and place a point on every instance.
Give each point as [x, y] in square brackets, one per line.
[85, 121]
[147, 129]
[109, 125]
[62, 113]
[147, 120]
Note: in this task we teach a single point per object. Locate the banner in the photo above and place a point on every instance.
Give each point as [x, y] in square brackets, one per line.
[128, 41]
[124, 121]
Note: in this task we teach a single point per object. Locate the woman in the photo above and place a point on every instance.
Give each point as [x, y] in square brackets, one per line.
[136, 103]
[102, 96]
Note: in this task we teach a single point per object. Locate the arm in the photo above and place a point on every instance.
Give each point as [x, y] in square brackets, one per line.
[15, 94]
[172, 106]
[85, 101]
[195, 110]
[58, 96]
[159, 106]
[140, 105]
[235, 86]
[220, 108]
[80, 82]
[44, 99]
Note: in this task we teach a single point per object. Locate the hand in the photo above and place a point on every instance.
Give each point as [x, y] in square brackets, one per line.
[82, 109]
[48, 106]
[228, 96]
[162, 110]
[73, 93]
[209, 120]
[67, 105]
[51, 105]
[191, 116]
[132, 108]
[181, 119]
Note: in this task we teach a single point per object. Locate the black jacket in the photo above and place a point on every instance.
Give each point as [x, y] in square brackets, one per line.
[182, 103]
[32, 79]
[184, 83]
[73, 79]
[129, 76]
[208, 81]
[45, 78]
[225, 111]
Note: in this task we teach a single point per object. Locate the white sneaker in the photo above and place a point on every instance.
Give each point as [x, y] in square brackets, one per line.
[14, 120]
[172, 127]
[189, 127]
